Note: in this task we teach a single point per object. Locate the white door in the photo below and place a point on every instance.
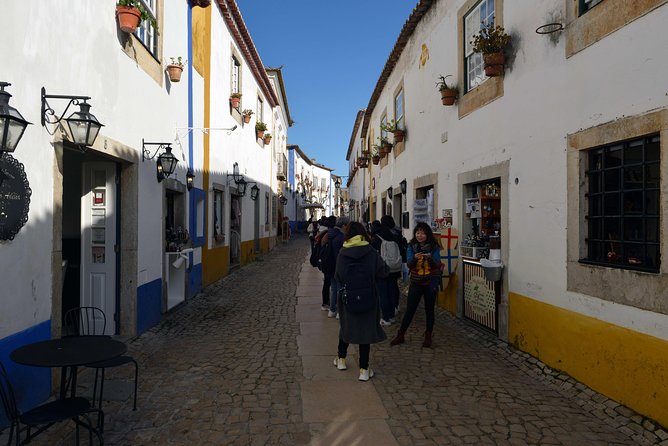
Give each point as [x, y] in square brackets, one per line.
[98, 238]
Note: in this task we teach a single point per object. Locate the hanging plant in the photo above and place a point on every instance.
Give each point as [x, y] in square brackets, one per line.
[491, 41]
[448, 92]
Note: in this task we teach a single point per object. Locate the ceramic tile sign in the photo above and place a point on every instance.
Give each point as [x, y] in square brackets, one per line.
[14, 197]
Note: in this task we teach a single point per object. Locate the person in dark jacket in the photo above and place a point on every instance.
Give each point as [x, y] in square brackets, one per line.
[424, 263]
[359, 328]
[387, 287]
[322, 239]
[336, 235]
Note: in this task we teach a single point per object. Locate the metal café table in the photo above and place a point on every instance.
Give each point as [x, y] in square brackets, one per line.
[68, 352]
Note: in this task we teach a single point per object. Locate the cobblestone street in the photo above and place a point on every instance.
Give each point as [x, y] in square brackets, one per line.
[249, 362]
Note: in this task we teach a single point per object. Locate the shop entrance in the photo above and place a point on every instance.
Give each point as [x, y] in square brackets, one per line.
[235, 230]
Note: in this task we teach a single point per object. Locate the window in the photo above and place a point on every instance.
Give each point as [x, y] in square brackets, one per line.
[383, 123]
[146, 32]
[623, 205]
[218, 216]
[260, 109]
[586, 5]
[399, 108]
[266, 208]
[236, 76]
[482, 14]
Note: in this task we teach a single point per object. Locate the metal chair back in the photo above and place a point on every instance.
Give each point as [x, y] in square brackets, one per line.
[85, 321]
[9, 401]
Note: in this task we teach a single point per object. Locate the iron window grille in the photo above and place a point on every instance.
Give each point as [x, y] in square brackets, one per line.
[586, 5]
[623, 203]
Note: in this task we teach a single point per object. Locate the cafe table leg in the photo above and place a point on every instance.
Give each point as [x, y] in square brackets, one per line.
[63, 382]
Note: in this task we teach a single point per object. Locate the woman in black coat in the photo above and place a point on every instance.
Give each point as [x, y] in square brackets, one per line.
[362, 328]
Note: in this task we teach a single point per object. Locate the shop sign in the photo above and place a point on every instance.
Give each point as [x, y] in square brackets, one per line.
[14, 197]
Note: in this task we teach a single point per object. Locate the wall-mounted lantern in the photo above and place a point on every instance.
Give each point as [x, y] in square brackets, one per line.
[190, 179]
[337, 183]
[84, 126]
[166, 164]
[255, 191]
[402, 185]
[241, 187]
[389, 192]
[12, 124]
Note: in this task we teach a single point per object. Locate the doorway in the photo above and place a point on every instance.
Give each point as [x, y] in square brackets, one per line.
[235, 230]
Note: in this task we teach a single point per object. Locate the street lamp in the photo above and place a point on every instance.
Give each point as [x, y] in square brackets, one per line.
[84, 126]
[190, 179]
[337, 183]
[402, 185]
[12, 124]
[389, 192]
[255, 191]
[166, 164]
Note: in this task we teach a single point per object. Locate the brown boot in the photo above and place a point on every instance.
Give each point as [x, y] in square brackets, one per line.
[399, 338]
[427, 339]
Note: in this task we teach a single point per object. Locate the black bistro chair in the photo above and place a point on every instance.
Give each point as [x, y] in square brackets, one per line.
[44, 416]
[91, 321]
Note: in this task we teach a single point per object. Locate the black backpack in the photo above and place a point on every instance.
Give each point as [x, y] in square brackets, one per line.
[326, 261]
[315, 254]
[358, 292]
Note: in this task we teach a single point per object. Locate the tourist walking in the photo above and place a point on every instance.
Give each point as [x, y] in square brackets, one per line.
[388, 243]
[321, 240]
[336, 236]
[357, 267]
[424, 263]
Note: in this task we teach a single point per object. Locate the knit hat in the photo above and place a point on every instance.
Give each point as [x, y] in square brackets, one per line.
[341, 221]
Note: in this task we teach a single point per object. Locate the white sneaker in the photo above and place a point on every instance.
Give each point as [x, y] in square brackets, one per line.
[392, 320]
[396, 310]
[337, 315]
[325, 308]
[340, 363]
[330, 313]
[365, 374]
[384, 323]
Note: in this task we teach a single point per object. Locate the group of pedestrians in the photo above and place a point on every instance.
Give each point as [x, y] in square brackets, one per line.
[360, 281]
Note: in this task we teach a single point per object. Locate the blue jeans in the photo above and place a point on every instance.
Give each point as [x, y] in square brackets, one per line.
[333, 295]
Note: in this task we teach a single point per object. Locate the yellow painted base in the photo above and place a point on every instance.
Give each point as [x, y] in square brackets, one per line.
[447, 299]
[215, 264]
[627, 366]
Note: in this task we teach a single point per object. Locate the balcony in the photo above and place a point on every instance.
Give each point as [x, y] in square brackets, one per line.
[282, 172]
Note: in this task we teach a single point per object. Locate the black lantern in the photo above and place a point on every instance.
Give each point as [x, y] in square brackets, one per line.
[235, 173]
[166, 163]
[255, 191]
[337, 183]
[402, 185]
[241, 187]
[283, 200]
[389, 192]
[12, 124]
[190, 179]
[84, 126]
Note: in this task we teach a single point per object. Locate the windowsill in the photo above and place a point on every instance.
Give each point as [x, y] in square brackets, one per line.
[618, 266]
[483, 94]
[236, 114]
[136, 51]
[399, 148]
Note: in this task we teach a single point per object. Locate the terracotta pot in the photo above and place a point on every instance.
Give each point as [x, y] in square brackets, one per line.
[266, 141]
[247, 119]
[128, 18]
[448, 96]
[387, 148]
[375, 159]
[174, 72]
[259, 134]
[236, 102]
[398, 136]
[494, 64]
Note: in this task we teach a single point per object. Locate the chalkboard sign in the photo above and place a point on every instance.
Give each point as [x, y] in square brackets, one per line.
[14, 197]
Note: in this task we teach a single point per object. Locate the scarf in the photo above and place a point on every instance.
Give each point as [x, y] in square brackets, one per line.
[357, 240]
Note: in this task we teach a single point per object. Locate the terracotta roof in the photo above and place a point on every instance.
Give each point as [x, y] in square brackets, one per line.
[358, 121]
[279, 76]
[237, 27]
[406, 32]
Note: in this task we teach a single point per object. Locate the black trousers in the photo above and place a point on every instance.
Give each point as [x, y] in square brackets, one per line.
[326, 284]
[365, 350]
[415, 293]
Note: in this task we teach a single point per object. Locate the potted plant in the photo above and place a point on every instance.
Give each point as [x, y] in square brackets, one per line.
[448, 92]
[235, 99]
[130, 13]
[266, 138]
[175, 69]
[386, 145]
[491, 41]
[260, 128]
[247, 115]
[392, 127]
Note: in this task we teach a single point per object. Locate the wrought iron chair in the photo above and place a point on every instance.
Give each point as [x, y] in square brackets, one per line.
[91, 321]
[45, 415]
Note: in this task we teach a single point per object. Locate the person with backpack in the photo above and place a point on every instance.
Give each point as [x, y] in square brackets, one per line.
[323, 249]
[388, 222]
[387, 244]
[424, 263]
[357, 268]
[335, 235]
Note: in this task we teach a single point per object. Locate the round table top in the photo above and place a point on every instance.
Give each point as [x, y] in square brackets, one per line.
[68, 351]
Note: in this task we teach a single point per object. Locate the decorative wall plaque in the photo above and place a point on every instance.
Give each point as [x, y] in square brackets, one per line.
[14, 197]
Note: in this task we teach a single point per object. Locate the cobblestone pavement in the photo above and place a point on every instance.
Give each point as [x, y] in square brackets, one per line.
[224, 369]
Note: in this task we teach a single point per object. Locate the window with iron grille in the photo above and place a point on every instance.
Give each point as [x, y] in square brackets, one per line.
[586, 5]
[399, 109]
[236, 76]
[623, 205]
[481, 15]
[146, 32]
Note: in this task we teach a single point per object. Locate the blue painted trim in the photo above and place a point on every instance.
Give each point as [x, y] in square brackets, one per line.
[190, 87]
[196, 195]
[149, 305]
[194, 278]
[32, 385]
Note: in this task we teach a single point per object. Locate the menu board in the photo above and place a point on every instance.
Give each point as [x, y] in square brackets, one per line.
[14, 197]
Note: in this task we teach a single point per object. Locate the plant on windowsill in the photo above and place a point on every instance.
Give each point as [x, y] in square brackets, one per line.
[392, 127]
[175, 69]
[266, 138]
[235, 100]
[247, 115]
[448, 92]
[260, 128]
[491, 41]
[130, 13]
[375, 155]
[385, 146]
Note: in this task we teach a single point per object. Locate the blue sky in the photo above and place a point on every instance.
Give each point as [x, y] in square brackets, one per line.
[332, 54]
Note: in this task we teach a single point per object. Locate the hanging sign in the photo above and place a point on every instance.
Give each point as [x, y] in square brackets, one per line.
[14, 197]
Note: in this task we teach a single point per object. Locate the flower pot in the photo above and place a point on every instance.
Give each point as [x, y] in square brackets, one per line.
[387, 148]
[259, 134]
[398, 136]
[266, 141]
[494, 64]
[375, 159]
[174, 72]
[448, 96]
[128, 18]
[236, 102]
[247, 119]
